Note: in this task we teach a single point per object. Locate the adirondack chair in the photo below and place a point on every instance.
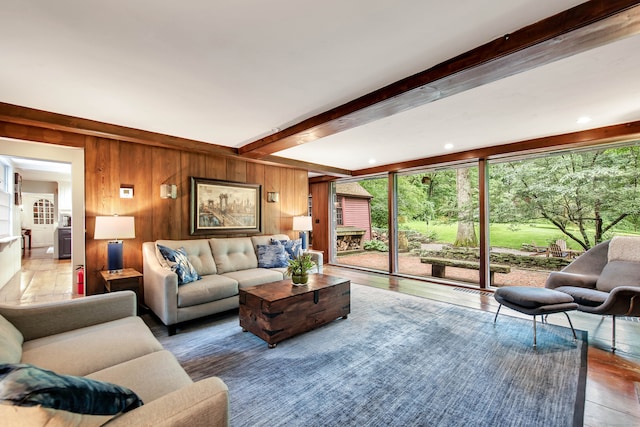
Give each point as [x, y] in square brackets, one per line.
[555, 250]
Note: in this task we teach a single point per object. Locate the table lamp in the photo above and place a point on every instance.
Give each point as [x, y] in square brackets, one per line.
[303, 224]
[114, 228]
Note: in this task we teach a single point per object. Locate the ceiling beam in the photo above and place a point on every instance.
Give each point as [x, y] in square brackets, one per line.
[608, 134]
[575, 30]
[18, 115]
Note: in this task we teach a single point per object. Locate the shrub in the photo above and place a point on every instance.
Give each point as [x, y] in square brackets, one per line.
[375, 245]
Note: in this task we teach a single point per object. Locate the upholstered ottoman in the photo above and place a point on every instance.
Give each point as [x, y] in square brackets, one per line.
[534, 302]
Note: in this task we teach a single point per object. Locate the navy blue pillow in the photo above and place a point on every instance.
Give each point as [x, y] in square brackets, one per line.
[28, 385]
[272, 256]
[293, 247]
[180, 264]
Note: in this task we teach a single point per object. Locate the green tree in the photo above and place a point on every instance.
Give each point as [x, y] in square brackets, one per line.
[591, 191]
[466, 234]
[377, 187]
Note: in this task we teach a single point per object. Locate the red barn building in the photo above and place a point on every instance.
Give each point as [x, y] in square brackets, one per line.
[353, 216]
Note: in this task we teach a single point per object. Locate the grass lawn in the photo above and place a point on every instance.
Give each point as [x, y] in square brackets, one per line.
[501, 235]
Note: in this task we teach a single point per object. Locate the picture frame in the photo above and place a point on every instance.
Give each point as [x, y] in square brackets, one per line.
[224, 207]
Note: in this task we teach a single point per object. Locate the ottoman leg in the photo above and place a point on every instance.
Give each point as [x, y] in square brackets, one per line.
[535, 344]
[496, 318]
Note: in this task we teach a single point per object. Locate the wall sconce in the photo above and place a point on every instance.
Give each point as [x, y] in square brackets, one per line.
[273, 197]
[168, 191]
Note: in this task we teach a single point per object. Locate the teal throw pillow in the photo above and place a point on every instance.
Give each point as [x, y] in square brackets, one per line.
[28, 385]
[272, 256]
[180, 264]
[292, 247]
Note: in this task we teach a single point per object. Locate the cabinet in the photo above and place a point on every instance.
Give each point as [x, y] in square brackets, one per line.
[64, 243]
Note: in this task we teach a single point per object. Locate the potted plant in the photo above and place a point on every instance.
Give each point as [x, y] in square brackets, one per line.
[299, 268]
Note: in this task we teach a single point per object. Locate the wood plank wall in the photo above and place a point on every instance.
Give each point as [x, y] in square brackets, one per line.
[112, 163]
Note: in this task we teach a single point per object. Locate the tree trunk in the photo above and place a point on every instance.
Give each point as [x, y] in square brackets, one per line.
[466, 235]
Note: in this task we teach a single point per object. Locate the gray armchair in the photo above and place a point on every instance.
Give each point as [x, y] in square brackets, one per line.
[604, 280]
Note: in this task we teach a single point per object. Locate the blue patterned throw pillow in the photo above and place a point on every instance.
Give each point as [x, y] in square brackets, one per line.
[292, 247]
[272, 256]
[180, 264]
[28, 385]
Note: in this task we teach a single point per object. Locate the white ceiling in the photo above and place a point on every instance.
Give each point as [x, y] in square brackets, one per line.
[231, 72]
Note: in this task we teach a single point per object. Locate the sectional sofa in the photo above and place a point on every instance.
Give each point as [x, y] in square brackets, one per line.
[96, 338]
[223, 265]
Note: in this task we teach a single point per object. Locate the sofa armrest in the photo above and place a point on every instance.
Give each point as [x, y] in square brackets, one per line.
[562, 278]
[160, 286]
[41, 320]
[204, 403]
[317, 258]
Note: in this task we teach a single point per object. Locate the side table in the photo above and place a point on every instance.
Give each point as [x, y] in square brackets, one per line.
[127, 279]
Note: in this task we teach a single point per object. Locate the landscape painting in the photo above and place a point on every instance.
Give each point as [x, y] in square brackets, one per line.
[224, 207]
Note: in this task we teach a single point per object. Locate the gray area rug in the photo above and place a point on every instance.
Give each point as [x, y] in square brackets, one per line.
[398, 360]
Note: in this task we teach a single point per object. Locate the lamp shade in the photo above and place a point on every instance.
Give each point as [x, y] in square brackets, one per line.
[114, 228]
[302, 223]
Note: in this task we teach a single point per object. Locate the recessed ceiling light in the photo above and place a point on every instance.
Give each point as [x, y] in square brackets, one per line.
[582, 120]
[372, 161]
[448, 146]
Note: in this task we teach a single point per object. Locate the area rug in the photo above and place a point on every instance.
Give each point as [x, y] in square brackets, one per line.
[398, 360]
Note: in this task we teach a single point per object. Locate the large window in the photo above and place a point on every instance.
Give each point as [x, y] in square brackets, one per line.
[544, 210]
[438, 224]
[362, 218]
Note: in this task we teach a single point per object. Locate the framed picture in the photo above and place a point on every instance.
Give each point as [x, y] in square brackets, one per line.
[224, 207]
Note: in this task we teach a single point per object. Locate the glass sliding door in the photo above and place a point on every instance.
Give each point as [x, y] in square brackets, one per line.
[361, 220]
[438, 224]
[547, 210]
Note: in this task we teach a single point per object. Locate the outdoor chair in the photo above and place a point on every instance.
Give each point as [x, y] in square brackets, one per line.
[554, 250]
[604, 280]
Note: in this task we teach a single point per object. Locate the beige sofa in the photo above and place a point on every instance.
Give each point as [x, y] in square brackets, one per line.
[225, 265]
[100, 337]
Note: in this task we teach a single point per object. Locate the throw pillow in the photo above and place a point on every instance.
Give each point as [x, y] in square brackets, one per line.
[293, 247]
[272, 256]
[26, 387]
[180, 264]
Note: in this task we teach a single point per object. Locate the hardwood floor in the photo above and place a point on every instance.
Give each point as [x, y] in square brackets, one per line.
[612, 380]
[611, 395]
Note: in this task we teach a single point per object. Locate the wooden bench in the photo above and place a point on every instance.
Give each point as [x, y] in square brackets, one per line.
[438, 266]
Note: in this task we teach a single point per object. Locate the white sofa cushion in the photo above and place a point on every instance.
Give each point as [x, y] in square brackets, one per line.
[86, 350]
[256, 276]
[198, 254]
[150, 376]
[10, 342]
[210, 288]
[233, 254]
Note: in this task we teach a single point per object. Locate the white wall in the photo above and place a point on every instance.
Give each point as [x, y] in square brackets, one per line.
[34, 150]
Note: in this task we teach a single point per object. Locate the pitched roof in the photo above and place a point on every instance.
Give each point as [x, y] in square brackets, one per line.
[353, 189]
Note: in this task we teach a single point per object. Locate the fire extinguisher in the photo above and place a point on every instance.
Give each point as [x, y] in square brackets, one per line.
[80, 279]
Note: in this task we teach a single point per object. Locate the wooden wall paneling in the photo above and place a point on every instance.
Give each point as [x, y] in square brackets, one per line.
[255, 175]
[236, 170]
[320, 217]
[288, 202]
[102, 187]
[136, 162]
[215, 168]
[166, 214]
[191, 164]
[271, 213]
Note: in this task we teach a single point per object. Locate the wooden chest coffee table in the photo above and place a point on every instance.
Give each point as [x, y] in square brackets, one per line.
[279, 310]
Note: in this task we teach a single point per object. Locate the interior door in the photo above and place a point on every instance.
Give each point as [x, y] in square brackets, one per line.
[38, 215]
